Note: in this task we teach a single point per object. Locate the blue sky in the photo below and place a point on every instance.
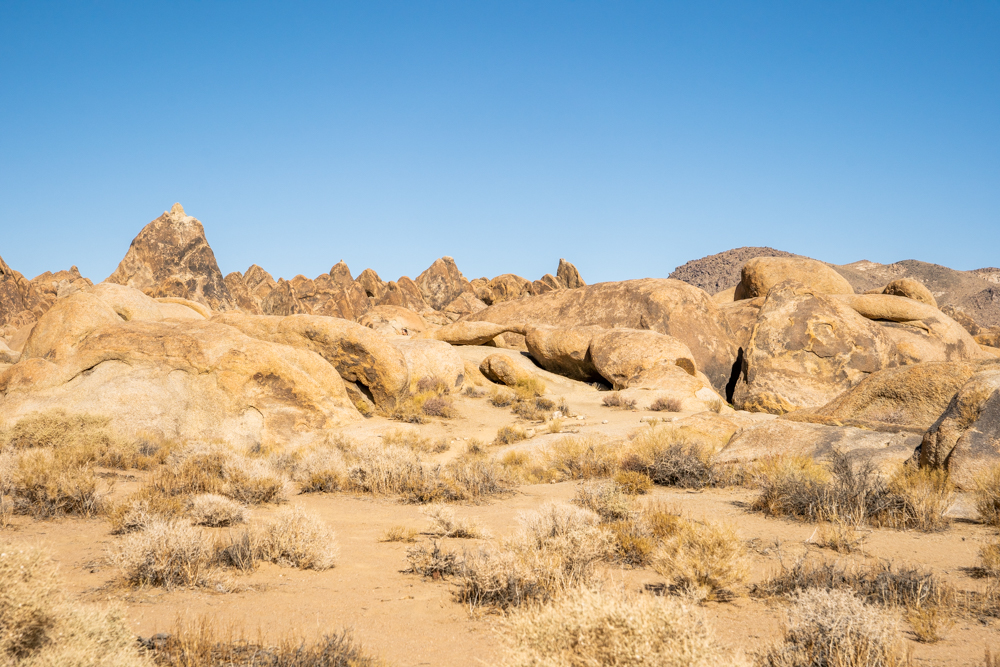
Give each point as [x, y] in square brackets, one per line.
[627, 137]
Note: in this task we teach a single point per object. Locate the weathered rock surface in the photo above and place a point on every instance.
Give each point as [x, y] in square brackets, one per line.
[819, 441]
[431, 359]
[507, 287]
[469, 333]
[908, 398]
[405, 294]
[568, 275]
[636, 358]
[20, 303]
[806, 349]
[171, 257]
[760, 274]
[393, 321]
[464, 304]
[722, 271]
[564, 350]
[911, 289]
[373, 286]
[501, 368]
[966, 439]
[547, 283]
[666, 306]
[741, 317]
[442, 283]
[358, 353]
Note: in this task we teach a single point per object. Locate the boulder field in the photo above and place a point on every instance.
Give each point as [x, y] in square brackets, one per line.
[774, 353]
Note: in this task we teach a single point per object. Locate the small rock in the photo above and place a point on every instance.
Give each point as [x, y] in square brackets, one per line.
[557, 415]
[605, 421]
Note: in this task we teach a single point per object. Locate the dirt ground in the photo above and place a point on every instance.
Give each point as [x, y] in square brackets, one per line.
[411, 621]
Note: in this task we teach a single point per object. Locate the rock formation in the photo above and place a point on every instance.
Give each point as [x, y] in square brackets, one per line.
[568, 275]
[442, 283]
[171, 257]
[20, 302]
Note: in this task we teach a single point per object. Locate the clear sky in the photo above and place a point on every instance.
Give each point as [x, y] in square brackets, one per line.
[627, 137]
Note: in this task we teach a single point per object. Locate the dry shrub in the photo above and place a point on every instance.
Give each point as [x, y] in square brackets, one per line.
[837, 629]
[789, 485]
[606, 499]
[435, 562]
[215, 511]
[321, 471]
[666, 405]
[252, 481]
[556, 547]
[296, 538]
[508, 435]
[668, 459]
[39, 627]
[385, 470]
[839, 536]
[587, 627]
[555, 426]
[929, 623]
[703, 560]
[633, 483]
[501, 397]
[399, 534]
[412, 439]
[439, 406]
[916, 498]
[663, 520]
[529, 388]
[616, 400]
[987, 495]
[474, 478]
[989, 559]
[165, 553]
[473, 392]
[47, 484]
[445, 524]
[581, 458]
[530, 410]
[136, 511]
[202, 644]
[432, 385]
[632, 541]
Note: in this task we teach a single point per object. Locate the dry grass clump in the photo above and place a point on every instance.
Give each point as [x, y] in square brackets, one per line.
[385, 470]
[853, 493]
[702, 560]
[508, 435]
[473, 392]
[435, 562]
[632, 541]
[501, 397]
[399, 534]
[669, 460]
[137, 510]
[46, 483]
[412, 439]
[473, 477]
[320, 471]
[666, 405]
[606, 499]
[987, 495]
[251, 481]
[633, 483]
[989, 559]
[587, 627]
[616, 400]
[929, 624]
[533, 409]
[165, 553]
[209, 509]
[296, 538]
[529, 388]
[439, 406]
[202, 644]
[840, 536]
[837, 629]
[444, 523]
[581, 458]
[39, 627]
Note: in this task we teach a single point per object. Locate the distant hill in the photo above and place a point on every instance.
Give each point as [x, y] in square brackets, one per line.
[976, 292]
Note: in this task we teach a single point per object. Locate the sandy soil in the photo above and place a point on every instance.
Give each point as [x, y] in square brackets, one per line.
[411, 621]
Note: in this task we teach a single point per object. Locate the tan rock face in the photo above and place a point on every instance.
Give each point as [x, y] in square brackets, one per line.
[281, 301]
[991, 339]
[564, 350]
[760, 274]
[465, 303]
[905, 398]
[921, 332]
[442, 283]
[20, 303]
[501, 368]
[433, 360]
[634, 358]
[806, 349]
[665, 306]
[547, 283]
[403, 293]
[394, 321]
[358, 353]
[507, 287]
[741, 317]
[373, 286]
[966, 440]
[171, 257]
[911, 289]
[51, 286]
[568, 275]
[469, 333]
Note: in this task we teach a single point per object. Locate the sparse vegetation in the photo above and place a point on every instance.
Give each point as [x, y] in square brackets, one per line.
[412, 439]
[989, 558]
[606, 499]
[616, 400]
[445, 524]
[508, 435]
[666, 405]
[703, 560]
[439, 406]
[669, 460]
[48, 483]
[501, 397]
[591, 627]
[987, 496]
[399, 534]
[434, 562]
[633, 483]
[581, 458]
[165, 553]
[296, 538]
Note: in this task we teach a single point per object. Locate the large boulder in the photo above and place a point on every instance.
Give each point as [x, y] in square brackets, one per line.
[911, 289]
[501, 368]
[909, 398]
[186, 379]
[741, 317]
[358, 353]
[819, 441]
[393, 321]
[666, 306]
[373, 286]
[806, 349]
[464, 304]
[506, 287]
[568, 275]
[921, 332]
[51, 286]
[966, 439]
[171, 257]
[760, 274]
[405, 294]
[20, 302]
[431, 360]
[470, 333]
[547, 283]
[564, 350]
[441, 283]
[721, 272]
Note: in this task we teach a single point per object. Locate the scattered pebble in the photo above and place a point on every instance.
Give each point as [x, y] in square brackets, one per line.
[605, 421]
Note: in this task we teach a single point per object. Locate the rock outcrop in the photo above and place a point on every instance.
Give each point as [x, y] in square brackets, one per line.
[502, 369]
[431, 360]
[665, 306]
[722, 271]
[911, 289]
[807, 348]
[442, 283]
[569, 276]
[760, 274]
[393, 321]
[171, 257]
[20, 302]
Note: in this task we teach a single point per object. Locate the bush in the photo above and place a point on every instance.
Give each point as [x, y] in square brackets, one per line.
[632, 541]
[215, 511]
[529, 410]
[252, 481]
[435, 562]
[705, 560]
[989, 559]
[385, 470]
[296, 538]
[529, 388]
[581, 458]
[439, 406]
[399, 534]
[322, 470]
[668, 460]
[412, 439]
[616, 400]
[606, 499]
[46, 484]
[987, 495]
[445, 524]
[666, 405]
[474, 478]
[837, 629]
[633, 483]
[501, 397]
[38, 627]
[165, 553]
[136, 511]
[591, 627]
[508, 435]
